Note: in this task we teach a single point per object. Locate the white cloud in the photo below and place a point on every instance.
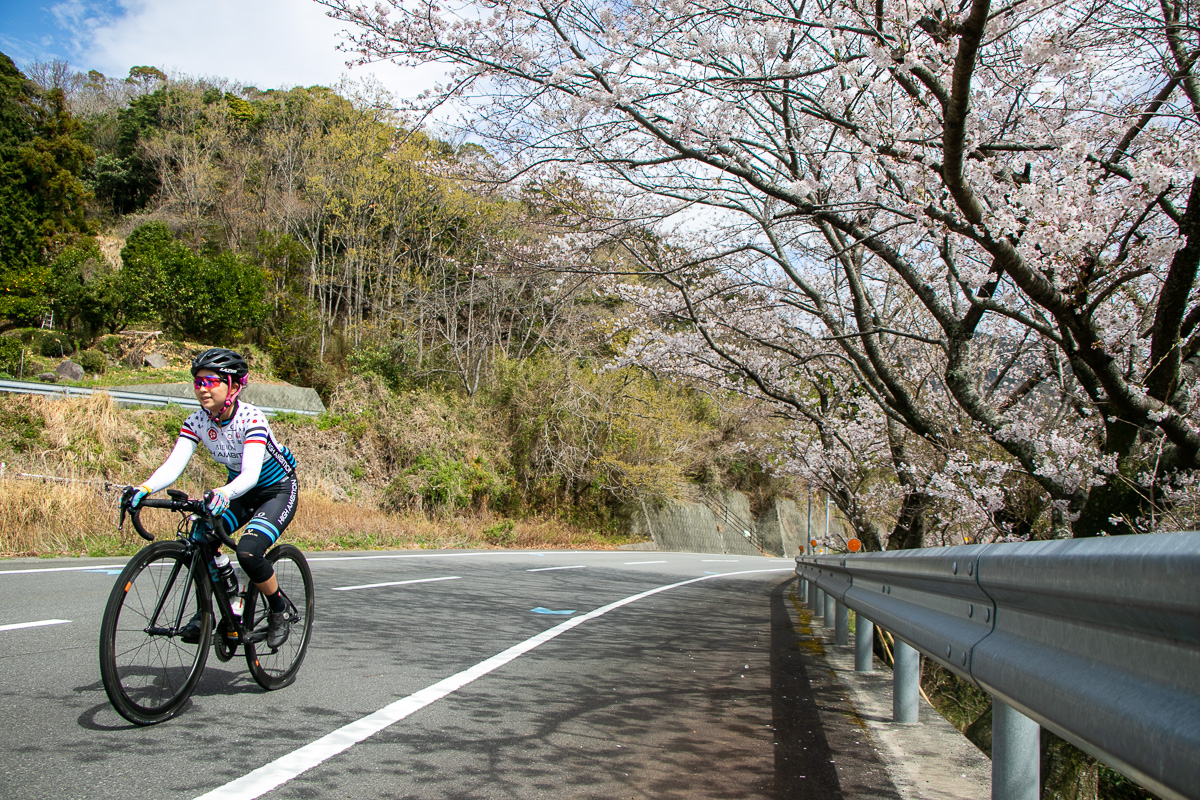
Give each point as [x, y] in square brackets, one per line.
[269, 44]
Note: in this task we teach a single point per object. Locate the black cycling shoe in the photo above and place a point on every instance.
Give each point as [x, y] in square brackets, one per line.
[190, 633]
[277, 629]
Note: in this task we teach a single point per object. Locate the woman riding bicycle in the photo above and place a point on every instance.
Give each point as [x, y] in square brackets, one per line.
[262, 490]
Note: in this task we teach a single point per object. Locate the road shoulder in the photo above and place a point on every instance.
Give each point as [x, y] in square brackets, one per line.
[931, 760]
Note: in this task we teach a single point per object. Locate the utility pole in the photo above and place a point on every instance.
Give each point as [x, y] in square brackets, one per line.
[808, 537]
[828, 540]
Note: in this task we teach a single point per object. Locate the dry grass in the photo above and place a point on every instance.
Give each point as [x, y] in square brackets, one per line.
[95, 448]
[39, 518]
[325, 524]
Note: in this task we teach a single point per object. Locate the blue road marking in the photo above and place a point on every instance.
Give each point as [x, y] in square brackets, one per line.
[540, 610]
[105, 571]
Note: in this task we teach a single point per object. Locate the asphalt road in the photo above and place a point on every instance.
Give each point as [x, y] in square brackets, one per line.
[662, 675]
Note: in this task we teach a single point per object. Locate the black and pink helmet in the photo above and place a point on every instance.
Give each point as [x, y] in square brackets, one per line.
[223, 362]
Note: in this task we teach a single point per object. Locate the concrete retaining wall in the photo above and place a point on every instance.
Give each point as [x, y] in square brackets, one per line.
[682, 526]
[272, 395]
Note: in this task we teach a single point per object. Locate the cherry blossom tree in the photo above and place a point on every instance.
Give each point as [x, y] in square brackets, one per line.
[977, 222]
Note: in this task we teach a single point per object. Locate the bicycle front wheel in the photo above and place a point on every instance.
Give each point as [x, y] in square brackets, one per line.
[274, 669]
[147, 669]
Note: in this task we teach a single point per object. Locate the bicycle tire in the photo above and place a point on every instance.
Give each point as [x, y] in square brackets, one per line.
[277, 669]
[148, 675]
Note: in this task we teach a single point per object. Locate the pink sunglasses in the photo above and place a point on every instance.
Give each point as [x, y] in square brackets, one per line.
[207, 381]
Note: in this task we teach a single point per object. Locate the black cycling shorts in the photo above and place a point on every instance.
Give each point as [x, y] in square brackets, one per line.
[265, 512]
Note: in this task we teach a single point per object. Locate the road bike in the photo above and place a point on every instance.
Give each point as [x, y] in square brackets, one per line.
[147, 668]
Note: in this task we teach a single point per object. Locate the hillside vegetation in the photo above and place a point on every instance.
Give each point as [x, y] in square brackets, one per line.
[543, 460]
[468, 380]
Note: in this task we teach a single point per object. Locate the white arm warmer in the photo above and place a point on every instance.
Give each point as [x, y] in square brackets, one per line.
[252, 461]
[172, 468]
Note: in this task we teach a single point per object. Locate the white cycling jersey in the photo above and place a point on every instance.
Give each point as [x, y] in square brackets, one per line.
[227, 442]
[244, 445]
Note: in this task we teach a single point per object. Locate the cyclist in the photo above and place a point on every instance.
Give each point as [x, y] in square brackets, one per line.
[262, 490]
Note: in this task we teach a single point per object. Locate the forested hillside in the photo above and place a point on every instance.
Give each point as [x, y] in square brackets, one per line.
[468, 381]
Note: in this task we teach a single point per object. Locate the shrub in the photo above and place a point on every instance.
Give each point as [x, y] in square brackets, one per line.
[443, 485]
[93, 361]
[10, 355]
[57, 345]
[501, 534]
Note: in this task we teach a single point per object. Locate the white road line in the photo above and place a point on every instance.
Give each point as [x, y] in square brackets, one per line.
[278, 772]
[630, 563]
[37, 624]
[547, 569]
[451, 555]
[61, 569]
[395, 583]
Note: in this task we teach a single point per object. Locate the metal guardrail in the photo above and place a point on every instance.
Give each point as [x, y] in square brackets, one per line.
[125, 398]
[1097, 640]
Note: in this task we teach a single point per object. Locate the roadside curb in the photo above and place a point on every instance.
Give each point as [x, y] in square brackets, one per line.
[931, 760]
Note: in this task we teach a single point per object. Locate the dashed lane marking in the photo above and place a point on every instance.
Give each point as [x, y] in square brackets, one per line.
[62, 569]
[38, 624]
[395, 583]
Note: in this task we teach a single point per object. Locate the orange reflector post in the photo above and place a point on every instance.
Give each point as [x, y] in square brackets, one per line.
[854, 545]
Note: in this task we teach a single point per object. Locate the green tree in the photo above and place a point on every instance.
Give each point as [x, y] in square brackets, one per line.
[210, 296]
[84, 291]
[41, 195]
[122, 178]
[147, 247]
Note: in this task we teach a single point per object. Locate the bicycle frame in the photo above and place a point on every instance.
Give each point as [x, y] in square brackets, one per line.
[202, 539]
[201, 546]
[204, 545]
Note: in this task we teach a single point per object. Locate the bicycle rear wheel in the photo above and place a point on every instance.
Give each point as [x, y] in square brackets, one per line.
[147, 670]
[276, 669]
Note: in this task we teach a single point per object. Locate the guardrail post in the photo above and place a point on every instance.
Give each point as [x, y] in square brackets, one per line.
[803, 591]
[841, 627]
[818, 601]
[830, 609]
[906, 684]
[864, 644]
[1016, 754]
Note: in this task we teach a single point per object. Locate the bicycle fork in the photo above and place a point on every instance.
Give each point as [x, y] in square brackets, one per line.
[154, 629]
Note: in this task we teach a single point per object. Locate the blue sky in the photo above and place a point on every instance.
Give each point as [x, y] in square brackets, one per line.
[264, 43]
